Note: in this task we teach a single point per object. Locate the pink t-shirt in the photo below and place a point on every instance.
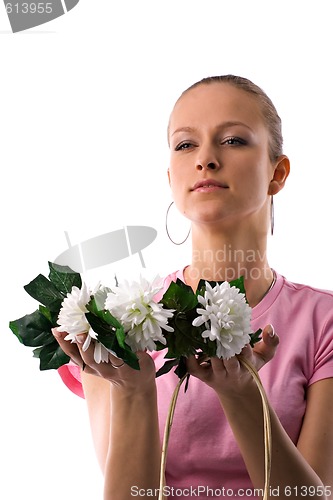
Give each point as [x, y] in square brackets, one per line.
[203, 456]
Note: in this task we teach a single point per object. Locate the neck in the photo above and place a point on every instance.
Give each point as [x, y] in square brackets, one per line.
[219, 256]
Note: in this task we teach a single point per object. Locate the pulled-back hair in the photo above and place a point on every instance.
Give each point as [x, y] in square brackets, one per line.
[268, 110]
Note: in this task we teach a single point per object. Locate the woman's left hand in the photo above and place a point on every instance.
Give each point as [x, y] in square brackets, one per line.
[230, 375]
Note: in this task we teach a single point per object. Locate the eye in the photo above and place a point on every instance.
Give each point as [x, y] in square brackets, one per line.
[183, 145]
[234, 141]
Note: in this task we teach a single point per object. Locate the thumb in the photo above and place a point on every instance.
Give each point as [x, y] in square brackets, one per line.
[69, 348]
[267, 347]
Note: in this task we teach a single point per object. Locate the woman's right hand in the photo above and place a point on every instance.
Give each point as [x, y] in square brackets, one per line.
[116, 371]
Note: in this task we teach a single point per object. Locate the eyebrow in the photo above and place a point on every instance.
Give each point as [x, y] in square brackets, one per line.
[221, 126]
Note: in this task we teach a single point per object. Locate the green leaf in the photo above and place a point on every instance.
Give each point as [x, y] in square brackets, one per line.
[52, 316]
[112, 337]
[167, 367]
[46, 312]
[185, 338]
[33, 330]
[187, 382]
[95, 308]
[37, 351]
[106, 333]
[160, 346]
[128, 356]
[179, 296]
[239, 283]
[201, 288]
[120, 334]
[51, 357]
[255, 337]
[210, 348]
[64, 278]
[100, 297]
[181, 369]
[184, 286]
[45, 292]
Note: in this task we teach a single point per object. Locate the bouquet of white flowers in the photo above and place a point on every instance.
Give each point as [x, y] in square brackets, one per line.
[121, 320]
[215, 320]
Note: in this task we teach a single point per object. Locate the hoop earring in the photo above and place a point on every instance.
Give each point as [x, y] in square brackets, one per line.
[272, 215]
[167, 231]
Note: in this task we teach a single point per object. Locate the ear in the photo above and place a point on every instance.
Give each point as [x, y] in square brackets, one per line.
[280, 174]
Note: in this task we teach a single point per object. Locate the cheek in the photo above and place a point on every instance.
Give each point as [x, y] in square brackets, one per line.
[174, 181]
[252, 180]
[254, 167]
[177, 177]
[178, 183]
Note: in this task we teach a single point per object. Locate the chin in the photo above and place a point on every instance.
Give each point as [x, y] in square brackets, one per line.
[207, 216]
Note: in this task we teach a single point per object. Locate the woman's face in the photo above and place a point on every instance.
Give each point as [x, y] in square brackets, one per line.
[220, 168]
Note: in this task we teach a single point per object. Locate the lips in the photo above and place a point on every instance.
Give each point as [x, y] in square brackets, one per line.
[208, 184]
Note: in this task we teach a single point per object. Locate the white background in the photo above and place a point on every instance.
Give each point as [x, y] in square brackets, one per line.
[84, 103]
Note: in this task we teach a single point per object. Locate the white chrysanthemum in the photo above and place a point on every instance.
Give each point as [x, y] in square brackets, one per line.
[227, 318]
[72, 317]
[72, 320]
[142, 318]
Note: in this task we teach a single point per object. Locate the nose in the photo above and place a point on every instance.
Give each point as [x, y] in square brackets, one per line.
[207, 159]
[210, 166]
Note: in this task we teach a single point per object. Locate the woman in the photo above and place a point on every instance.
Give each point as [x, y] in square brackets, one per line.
[226, 166]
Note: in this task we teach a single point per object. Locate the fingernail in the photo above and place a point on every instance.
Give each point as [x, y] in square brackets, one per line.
[56, 333]
[271, 331]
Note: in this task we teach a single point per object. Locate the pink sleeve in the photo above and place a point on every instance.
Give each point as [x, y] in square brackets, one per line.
[71, 376]
[324, 354]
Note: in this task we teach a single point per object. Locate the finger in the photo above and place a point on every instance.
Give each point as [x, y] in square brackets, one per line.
[69, 348]
[231, 366]
[203, 358]
[246, 352]
[117, 362]
[267, 347]
[81, 338]
[194, 367]
[86, 347]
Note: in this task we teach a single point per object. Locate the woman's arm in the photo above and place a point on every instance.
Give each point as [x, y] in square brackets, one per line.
[302, 471]
[97, 396]
[122, 406]
[293, 474]
[133, 461]
[316, 438]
